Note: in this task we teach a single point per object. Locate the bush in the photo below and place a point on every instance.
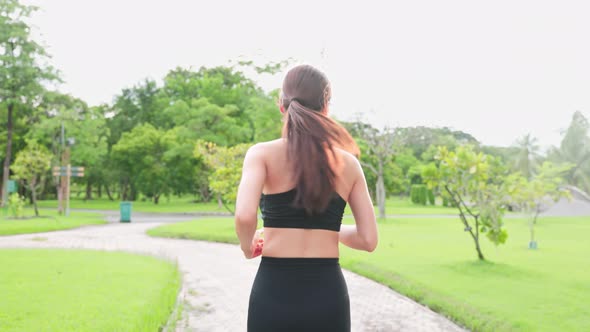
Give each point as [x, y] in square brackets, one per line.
[17, 205]
[419, 194]
[431, 198]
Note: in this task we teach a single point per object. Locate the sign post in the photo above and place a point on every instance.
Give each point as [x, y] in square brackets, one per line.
[68, 172]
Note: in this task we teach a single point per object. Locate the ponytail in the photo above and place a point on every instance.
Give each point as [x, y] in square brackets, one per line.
[312, 139]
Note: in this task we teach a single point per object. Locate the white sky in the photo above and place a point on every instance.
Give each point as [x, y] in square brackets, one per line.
[496, 69]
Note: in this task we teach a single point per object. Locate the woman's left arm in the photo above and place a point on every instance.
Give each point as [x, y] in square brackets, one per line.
[249, 191]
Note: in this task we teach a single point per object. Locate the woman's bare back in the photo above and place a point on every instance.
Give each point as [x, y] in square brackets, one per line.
[291, 242]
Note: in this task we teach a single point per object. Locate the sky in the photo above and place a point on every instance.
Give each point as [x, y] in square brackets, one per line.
[495, 69]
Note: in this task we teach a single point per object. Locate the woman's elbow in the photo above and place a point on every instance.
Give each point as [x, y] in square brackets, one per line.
[371, 247]
[244, 218]
[371, 244]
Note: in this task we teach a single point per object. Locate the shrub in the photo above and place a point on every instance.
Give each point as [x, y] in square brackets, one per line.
[17, 205]
[431, 198]
[418, 194]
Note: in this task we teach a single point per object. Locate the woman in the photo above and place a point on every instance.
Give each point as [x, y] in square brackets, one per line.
[302, 183]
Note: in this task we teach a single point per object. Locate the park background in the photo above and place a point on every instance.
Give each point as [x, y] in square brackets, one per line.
[477, 150]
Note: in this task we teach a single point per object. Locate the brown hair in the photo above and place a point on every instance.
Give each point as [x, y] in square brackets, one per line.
[312, 137]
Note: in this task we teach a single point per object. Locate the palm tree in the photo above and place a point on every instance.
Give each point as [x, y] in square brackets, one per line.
[575, 149]
[527, 159]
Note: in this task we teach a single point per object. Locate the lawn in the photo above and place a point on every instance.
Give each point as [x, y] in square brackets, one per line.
[172, 205]
[433, 261]
[394, 206]
[73, 290]
[50, 221]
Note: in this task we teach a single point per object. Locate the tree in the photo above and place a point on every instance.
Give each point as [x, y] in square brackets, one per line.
[378, 152]
[535, 194]
[527, 159]
[478, 186]
[153, 162]
[31, 166]
[226, 164]
[575, 149]
[209, 122]
[22, 70]
[138, 105]
[420, 138]
[62, 114]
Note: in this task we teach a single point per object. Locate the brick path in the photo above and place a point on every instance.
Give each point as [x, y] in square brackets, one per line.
[217, 280]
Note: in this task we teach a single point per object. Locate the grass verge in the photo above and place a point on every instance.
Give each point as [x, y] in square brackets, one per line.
[48, 223]
[79, 290]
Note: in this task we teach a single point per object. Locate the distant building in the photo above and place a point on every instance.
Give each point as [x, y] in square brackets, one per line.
[578, 205]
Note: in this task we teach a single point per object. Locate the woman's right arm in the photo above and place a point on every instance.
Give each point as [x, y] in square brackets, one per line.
[362, 235]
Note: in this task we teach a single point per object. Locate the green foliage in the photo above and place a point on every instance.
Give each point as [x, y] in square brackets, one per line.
[431, 197]
[419, 194]
[22, 73]
[226, 164]
[414, 174]
[421, 140]
[527, 159]
[32, 163]
[543, 189]
[478, 186]
[378, 147]
[575, 150]
[31, 166]
[154, 161]
[16, 204]
[405, 159]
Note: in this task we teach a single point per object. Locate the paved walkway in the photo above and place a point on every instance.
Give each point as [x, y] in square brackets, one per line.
[217, 280]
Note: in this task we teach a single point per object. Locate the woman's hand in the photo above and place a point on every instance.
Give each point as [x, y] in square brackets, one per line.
[256, 245]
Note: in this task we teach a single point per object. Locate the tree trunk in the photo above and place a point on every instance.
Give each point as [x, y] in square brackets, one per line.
[456, 202]
[123, 192]
[133, 192]
[156, 199]
[476, 239]
[219, 202]
[99, 190]
[34, 197]
[106, 188]
[6, 170]
[381, 195]
[88, 190]
[479, 253]
[380, 188]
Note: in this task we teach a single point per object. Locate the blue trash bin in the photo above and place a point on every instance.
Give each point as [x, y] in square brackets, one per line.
[125, 209]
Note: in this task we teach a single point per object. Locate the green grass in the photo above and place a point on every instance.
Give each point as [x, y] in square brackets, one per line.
[172, 205]
[72, 290]
[50, 221]
[394, 206]
[433, 261]
[215, 230]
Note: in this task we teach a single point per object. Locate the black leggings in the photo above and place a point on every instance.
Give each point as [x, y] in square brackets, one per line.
[299, 294]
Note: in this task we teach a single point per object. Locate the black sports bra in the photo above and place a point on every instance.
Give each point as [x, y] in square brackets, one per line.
[278, 211]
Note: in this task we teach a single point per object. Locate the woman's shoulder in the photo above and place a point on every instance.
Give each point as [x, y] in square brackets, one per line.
[266, 146]
[263, 150]
[348, 158]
